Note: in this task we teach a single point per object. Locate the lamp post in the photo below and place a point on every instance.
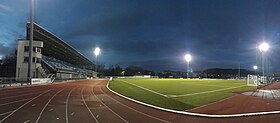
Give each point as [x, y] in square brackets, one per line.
[188, 58]
[263, 47]
[96, 53]
[29, 72]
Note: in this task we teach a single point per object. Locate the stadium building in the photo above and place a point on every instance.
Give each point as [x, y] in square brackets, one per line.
[52, 58]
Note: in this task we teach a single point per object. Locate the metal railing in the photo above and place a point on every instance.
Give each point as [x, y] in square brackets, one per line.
[11, 81]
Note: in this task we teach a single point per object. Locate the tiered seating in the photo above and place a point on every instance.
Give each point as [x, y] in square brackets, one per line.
[60, 65]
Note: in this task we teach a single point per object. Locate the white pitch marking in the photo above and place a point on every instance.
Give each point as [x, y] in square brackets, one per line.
[190, 113]
[131, 107]
[144, 88]
[204, 92]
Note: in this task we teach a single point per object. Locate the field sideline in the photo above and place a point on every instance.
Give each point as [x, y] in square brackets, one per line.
[178, 94]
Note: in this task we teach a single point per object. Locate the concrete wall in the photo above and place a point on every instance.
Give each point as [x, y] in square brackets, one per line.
[22, 66]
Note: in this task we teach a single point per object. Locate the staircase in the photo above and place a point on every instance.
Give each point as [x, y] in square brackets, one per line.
[42, 71]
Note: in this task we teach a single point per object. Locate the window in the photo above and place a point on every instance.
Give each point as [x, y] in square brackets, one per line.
[38, 50]
[26, 48]
[25, 59]
[38, 60]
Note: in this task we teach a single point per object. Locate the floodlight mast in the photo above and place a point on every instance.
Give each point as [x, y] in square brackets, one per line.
[30, 74]
[263, 47]
[188, 58]
[96, 53]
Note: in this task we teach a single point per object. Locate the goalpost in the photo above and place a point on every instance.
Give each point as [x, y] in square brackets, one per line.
[254, 80]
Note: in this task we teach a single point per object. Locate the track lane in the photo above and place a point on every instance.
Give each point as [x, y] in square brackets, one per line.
[47, 104]
[77, 111]
[32, 108]
[9, 117]
[116, 114]
[70, 107]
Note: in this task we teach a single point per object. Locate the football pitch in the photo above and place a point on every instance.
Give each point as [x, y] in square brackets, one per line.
[178, 94]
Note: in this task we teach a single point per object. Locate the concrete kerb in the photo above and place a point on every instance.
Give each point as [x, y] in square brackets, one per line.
[190, 113]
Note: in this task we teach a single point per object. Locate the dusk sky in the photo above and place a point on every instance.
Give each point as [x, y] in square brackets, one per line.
[154, 34]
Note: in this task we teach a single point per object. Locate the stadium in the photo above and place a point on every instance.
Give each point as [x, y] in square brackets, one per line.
[53, 58]
[138, 98]
[50, 81]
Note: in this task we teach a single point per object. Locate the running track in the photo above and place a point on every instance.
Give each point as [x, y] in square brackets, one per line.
[89, 101]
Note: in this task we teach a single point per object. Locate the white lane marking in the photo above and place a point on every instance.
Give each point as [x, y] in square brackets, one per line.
[24, 105]
[204, 85]
[24, 91]
[33, 105]
[7, 112]
[66, 104]
[47, 105]
[15, 102]
[204, 92]
[51, 109]
[134, 109]
[109, 107]
[20, 95]
[144, 88]
[82, 95]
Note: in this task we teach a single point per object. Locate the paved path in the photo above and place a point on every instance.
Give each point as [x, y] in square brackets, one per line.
[89, 101]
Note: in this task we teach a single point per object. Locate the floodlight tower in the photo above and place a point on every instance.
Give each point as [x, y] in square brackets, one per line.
[29, 72]
[263, 47]
[188, 58]
[96, 53]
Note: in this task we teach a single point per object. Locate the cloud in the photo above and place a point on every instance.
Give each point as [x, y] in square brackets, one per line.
[6, 8]
[5, 50]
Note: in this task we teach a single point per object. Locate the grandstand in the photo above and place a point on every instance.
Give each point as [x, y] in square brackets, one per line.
[52, 57]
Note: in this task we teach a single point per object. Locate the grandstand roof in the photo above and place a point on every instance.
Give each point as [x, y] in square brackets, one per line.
[56, 47]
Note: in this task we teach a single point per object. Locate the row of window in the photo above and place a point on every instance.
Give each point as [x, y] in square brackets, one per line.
[26, 59]
[35, 49]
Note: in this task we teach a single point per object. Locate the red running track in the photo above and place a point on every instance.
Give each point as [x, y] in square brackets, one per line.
[89, 101]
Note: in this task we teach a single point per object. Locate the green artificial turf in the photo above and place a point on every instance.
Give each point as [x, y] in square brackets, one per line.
[190, 93]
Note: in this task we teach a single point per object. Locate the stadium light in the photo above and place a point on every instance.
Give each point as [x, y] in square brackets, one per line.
[263, 47]
[96, 53]
[188, 58]
[255, 67]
